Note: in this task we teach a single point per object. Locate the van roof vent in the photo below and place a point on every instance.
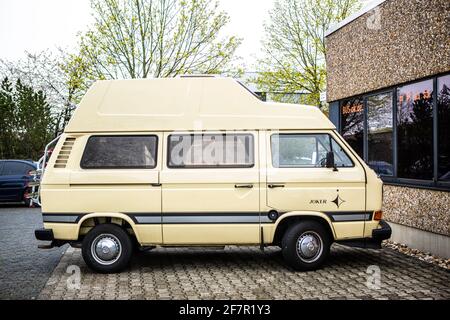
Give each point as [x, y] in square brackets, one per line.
[64, 153]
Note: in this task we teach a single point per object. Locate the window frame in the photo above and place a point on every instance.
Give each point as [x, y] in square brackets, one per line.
[120, 167]
[436, 131]
[363, 120]
[394, 129]
[306, 134]
[434, 115]
[169, 166]
[434, 183]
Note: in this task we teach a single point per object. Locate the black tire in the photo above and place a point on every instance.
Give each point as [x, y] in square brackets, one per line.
[293, 256]
[113, 233]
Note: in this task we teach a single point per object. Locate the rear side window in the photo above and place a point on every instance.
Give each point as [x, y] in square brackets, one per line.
[120, 152]
[306, 150]
[12, 168]
[211, 151]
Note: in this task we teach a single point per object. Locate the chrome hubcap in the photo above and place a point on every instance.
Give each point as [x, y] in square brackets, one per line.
[106, 249]
[309, 246]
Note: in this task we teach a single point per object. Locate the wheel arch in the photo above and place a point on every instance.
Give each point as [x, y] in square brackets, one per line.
[289, 218]
[113, 215]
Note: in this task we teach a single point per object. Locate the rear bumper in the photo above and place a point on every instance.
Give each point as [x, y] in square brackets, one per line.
[47, 235]
[378, 235]
[44, 234]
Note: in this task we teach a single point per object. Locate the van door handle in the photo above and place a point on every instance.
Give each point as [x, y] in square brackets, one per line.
[271, 186]
[243, 186]
[155, 184]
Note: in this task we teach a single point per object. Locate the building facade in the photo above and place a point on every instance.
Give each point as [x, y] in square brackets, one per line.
[388, 87]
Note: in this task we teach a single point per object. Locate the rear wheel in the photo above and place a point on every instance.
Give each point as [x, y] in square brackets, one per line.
[107, 248]
[306, 245]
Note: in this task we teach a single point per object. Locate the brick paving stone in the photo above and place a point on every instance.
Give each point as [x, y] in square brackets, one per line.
[24, 269]
[205, 273]
[248, 273]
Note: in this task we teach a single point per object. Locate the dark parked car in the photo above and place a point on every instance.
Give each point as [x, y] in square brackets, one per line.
[14, 180]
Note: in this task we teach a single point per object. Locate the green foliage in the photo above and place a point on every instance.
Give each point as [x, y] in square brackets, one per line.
[26, 121]
[294, 47]
[156, 38]
[64, 78]
[7, 119]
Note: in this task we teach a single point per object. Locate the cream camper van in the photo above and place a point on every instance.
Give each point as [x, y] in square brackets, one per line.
[201, 161]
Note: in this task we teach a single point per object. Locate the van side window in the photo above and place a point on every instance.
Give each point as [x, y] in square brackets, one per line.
[210, 150]
[340, 157]
[306, 150]
[120, 152]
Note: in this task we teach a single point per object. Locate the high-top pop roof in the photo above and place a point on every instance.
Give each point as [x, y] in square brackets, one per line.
[185, 103]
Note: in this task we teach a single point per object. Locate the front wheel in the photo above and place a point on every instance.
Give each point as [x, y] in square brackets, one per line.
[107, 248]
[306, 245]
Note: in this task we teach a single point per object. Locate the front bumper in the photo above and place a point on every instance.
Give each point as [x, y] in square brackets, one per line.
[382, 233]
[378, 235]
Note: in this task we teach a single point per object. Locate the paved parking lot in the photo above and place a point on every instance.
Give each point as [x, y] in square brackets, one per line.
[248, 273]
[186, 273]
[24, 269]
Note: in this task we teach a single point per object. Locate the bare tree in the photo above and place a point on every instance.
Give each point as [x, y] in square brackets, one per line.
[294, 47]
[157, 38]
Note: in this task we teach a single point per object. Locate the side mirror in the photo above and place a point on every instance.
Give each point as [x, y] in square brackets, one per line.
[330, 161]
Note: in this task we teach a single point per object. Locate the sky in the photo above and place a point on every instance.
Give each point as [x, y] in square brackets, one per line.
[35, 25]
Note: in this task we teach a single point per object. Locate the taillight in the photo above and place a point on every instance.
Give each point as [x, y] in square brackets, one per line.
[378, 215]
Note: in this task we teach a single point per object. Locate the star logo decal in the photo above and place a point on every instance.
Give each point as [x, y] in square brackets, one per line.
[338, 201]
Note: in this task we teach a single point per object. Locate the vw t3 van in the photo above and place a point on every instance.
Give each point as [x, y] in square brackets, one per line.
[201, 161]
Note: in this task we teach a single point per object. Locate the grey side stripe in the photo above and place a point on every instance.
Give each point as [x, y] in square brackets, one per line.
[265, 219]
[205, 217]
[148, 219]
[199, 218]
[211, 219]
[350, 216]
[61, 218]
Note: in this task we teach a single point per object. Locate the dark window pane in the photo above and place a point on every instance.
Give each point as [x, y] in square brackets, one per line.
[443, 104]
[379, 126]
[306, 150]
[352, 117]
[120, 152]
[211, 150]
[415, 130]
